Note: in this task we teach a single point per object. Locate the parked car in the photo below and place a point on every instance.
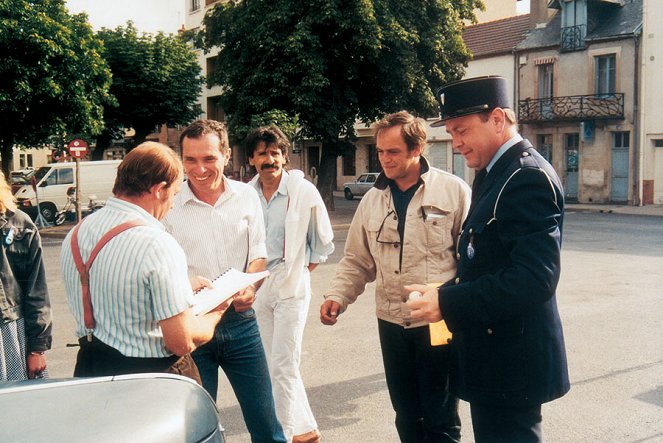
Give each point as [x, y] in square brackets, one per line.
[128, 408]
[20, 178]
[360, 186]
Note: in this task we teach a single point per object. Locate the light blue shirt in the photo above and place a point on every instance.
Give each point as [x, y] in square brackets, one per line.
[500, 152]
[138, 279]
[274, 212]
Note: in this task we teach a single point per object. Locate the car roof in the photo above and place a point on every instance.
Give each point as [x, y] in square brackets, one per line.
[136, 407]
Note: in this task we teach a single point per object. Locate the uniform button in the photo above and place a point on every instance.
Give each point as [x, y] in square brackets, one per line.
[457, 255]
[407, 323]
[457, 280]
[395, 218]
[489, 331]
[525, 154]
[396, 245]
[471, 230]
[396, 271]
[434, 223]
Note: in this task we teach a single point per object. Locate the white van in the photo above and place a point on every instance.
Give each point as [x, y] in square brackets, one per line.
[53, 181]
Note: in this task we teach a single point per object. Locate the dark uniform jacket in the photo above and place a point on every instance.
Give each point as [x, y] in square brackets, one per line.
[501, 308]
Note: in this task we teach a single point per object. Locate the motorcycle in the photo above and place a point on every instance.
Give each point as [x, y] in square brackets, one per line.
[68, 211]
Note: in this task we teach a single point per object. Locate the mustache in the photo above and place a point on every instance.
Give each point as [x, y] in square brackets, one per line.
[266, 166]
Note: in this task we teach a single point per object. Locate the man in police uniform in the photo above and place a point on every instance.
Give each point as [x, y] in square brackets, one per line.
[501, 307]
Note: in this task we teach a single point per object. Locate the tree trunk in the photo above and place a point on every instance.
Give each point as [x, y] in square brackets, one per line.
[140, 135]
[7, 155]
[327, 174]
[104, 140]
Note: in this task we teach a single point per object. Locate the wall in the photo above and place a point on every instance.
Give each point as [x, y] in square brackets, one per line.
[650, 163]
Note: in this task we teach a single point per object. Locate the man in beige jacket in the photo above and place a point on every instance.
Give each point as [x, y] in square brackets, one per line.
[404, 231]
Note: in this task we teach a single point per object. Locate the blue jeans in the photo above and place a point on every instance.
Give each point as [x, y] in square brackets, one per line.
[237, 349]
[418, 383]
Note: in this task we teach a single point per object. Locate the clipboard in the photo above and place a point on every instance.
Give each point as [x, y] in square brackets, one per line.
[223, 288]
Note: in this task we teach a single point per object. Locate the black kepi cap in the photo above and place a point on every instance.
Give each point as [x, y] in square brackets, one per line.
[471, 96]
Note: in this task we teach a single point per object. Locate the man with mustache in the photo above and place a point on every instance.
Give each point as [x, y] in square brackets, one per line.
[219, 224]
[299, 237]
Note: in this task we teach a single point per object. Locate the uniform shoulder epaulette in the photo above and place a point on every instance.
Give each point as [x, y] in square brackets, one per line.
[527, 160]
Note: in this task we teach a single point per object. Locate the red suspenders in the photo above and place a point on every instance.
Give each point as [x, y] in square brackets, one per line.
[84, 267]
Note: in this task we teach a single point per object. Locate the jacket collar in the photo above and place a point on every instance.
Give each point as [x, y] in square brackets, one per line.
[382, 182]
[504, 161]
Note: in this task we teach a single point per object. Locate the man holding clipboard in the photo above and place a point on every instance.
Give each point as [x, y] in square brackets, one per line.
[219, 224]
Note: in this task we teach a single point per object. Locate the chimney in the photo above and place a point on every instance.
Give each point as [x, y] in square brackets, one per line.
[538, 13]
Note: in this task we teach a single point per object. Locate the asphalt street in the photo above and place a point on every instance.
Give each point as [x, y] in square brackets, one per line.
[610, 300]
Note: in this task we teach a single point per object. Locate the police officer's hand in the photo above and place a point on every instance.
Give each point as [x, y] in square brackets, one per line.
[426, 307]
[329, 311]
[244, 300]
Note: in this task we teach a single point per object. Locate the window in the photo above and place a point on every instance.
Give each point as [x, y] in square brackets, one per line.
[210, 69]
[63, 176]
[214, 109]
[546, 80]
[349, 163]
[544, 146]
[373, 162]
[25, 161]
[605, 74]
[572, 146]
[195, 5]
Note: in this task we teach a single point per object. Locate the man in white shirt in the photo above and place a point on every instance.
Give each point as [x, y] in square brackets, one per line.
[299, 237]
[219, 224]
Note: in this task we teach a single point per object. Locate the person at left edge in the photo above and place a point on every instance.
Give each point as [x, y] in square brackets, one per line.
[219, 224]
[138, 285]
[25, 317]
[299, 237]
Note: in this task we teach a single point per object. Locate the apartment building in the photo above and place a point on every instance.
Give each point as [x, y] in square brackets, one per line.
[579, 87]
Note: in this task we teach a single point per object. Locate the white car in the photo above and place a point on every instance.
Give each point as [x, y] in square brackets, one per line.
[360, 186]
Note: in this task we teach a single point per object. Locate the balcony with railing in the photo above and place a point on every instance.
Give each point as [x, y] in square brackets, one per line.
[572, 108]
[573, 38]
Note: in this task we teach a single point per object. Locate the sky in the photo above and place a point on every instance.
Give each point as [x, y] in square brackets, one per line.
[147, 15]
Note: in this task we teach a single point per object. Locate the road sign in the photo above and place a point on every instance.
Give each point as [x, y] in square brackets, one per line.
[77, 148]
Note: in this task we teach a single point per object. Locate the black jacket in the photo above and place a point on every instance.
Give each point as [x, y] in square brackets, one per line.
[23, 291]
[501, 308]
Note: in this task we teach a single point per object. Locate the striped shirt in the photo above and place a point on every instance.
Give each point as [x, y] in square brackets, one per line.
[138, 279]
[230, 234]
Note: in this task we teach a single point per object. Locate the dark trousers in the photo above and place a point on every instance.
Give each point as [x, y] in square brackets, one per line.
[97, 359]
[418, 382]
[502, 424]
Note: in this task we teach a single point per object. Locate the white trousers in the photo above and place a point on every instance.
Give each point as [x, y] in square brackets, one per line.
[281, 324]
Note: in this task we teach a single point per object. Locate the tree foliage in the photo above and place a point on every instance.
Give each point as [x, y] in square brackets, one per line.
[156, 80]
[287, 124]
[332, 62]
[53, 80]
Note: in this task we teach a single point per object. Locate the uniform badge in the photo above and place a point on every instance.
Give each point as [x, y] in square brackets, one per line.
[470, 251]
[9, 239]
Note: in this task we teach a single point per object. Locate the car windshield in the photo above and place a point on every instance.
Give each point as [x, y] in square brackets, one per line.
[40, 173]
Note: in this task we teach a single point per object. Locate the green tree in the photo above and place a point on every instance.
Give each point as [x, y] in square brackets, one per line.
[156, 80]
[332, 62]
[53, 80]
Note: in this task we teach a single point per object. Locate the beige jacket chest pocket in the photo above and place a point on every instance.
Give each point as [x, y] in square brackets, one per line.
[438, 223]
